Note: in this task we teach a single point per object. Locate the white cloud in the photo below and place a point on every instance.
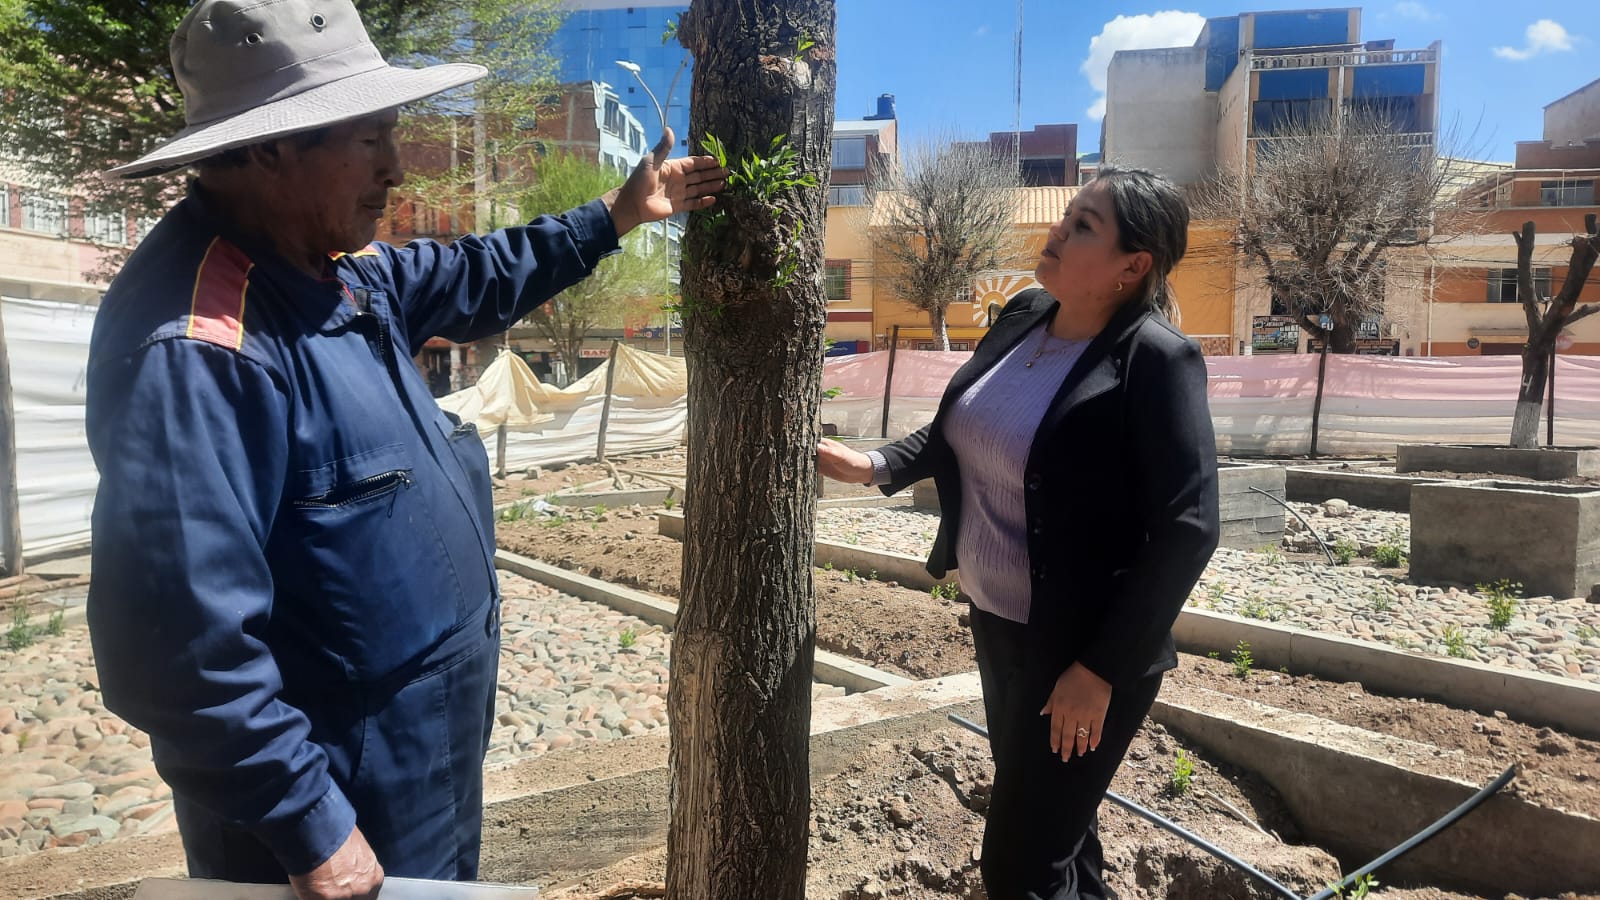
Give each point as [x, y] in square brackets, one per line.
[1544, 36]
[982, 31]
[1170, 28]
[1409, 9]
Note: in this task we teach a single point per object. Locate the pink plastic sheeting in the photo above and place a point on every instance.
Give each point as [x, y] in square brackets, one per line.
[1263, 404]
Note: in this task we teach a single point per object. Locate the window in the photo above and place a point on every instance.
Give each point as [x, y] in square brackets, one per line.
[106, 228]
[1567, 193]
[836, 280]
[5, 206]
[143, 227]
[847, 195]
[850, 153]
[1503, 284]
[44, 213]
[636, 139]
[613, 116]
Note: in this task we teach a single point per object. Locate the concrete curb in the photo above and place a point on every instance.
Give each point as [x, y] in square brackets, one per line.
[900, 568]
[1369, 490]
[1358, 794]
[1531, 697]
[830, 668]
[557, 816]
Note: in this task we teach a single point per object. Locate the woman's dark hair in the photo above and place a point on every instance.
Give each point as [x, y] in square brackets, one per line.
[1152, 217]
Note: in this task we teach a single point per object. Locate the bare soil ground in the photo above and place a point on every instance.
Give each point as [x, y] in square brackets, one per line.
[913, 634]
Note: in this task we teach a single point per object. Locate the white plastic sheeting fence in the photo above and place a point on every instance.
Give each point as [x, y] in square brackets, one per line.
[1262, 405]
[48, 345]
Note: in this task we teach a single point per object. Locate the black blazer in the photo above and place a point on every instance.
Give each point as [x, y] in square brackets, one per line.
[1120, 485]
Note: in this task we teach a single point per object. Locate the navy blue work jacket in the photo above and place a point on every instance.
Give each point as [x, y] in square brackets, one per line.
[287, 522]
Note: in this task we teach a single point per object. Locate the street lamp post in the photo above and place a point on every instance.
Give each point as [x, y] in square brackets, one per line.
[633, 69]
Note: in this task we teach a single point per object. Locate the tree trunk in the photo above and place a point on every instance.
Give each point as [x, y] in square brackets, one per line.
[740, 695]
[1530, 395]
[1316, 406]
[941, 327]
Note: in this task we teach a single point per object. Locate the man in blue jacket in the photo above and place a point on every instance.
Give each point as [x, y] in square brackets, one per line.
[294, 586]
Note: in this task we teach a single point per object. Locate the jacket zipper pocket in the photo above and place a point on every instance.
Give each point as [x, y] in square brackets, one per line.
[365, 489]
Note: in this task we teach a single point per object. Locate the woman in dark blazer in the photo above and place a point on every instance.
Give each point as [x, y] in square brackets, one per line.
[1076, 471]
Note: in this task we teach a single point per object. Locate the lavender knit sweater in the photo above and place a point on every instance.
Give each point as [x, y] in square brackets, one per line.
[991, 428]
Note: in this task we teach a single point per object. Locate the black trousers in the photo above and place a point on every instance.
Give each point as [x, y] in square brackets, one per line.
[1040, 841]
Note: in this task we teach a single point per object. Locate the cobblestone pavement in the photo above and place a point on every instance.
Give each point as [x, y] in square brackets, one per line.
[73, 774]
[1556, 636]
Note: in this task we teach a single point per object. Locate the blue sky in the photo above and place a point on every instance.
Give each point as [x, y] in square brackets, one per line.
[949, 62]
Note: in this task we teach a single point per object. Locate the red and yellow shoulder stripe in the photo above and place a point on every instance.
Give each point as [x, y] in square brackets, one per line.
[368, 250]
[216, 311]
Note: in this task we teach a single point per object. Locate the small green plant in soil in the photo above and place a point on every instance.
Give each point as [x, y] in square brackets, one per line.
[1455, 641]
[1273, 554]
[627, 638]
[57, 625]
[1391, 554]
[1504, 597]
[1345, 550]
[1243, 661]
[1378, 599]
[22, 632]
[1182, 774]
[1361, 889]
[1587, 632]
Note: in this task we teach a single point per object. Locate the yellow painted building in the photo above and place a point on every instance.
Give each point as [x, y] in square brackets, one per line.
[864, 308]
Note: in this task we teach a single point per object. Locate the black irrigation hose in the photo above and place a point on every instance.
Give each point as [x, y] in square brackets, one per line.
[1422, 836]
[1348, 882]
[1320, 542]
[1167, 824]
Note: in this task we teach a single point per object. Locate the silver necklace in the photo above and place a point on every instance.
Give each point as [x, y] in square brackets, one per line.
[1038, 351]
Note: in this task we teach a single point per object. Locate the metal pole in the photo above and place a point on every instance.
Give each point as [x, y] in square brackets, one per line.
[888, 380]
[500, 451]
[10, 509]
[605, 408]
[1550, 402]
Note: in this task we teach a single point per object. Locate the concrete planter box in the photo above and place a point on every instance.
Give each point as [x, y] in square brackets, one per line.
[924, 495]
[1250, 520]
[1546, 536]
[1368, 490]
[1541, 465]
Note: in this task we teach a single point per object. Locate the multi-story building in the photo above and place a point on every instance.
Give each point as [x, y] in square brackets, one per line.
[52, 247]
[1474, 308]
[598, 33]
[1047, 155]
[860, 147]
[1190, 112]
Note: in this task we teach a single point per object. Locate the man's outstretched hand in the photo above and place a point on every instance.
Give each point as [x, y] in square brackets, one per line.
[660, 187]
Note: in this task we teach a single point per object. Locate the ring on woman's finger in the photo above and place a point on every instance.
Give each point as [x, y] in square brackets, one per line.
[1083, 732]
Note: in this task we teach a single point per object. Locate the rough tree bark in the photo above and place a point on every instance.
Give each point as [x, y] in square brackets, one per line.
[740, 696]
[1543, 328]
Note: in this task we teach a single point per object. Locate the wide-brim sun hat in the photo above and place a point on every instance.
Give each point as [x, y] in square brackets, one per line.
[253, 70]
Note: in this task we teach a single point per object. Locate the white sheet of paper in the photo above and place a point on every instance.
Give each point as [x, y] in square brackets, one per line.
[393, 889]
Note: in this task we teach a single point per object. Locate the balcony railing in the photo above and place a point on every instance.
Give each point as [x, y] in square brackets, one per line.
[1327, 59]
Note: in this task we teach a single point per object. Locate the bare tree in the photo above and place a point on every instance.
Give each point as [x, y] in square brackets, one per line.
[1324, 205]
[754, 312]
[941, 218]
[1538, 354]
[1319, 211]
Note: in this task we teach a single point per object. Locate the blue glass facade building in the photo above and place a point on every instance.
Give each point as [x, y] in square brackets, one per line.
[597, 33]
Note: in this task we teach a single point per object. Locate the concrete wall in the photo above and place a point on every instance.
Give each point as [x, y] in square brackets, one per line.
[1233, 119]
[1575, 117]
[1544, 465]
[1250, 520]
[1158, 114]
[1368, 490]
[1545, 536]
